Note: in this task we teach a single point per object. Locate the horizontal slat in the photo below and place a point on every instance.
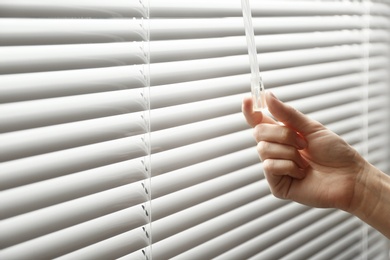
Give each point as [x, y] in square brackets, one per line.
[43, 194]
[233, 238]
[36, 141]
[112, 248]
[198, 152]
[337, 113]
[47, 166]
[323, 78]
[345, 126]
[72, 8]
[194, 195]
[354, 138]
[306, 250]
[271, 237]
[200, 131]
[340, 245]
[15, 31]
[332, 99]
[380, 8]
[377, 246]
[302, 236]
[377, 130]
[174, 50]
[376, 142]
[321, 83]
[138, 255]
[221, 8]
[47, 220]
[216, 224]
[84, 234]
[379, 22]
[181, 71]
[39, 113]
[24, 59]
[29, 86]
[52, 84]
[101, 9]
[166, 29]
[108, 249]
[377, 116]
[194, 112]
[173, 72]
[186, 219]
[377, 89]
[198, 173]
[353, 252]
[378, 102]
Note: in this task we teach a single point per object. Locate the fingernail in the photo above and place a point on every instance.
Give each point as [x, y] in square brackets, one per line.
[301, 143]
[273, 95]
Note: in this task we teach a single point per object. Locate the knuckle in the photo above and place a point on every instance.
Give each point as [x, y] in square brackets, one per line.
[263, 146]
[285, 134]
[256, 134]
[289, 167]
[268, 165]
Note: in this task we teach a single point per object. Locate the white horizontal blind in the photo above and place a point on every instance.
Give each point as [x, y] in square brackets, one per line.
[209, 197]
[79, 122]
[74, 151]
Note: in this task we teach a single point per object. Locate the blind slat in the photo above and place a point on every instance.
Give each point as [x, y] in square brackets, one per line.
[324, 239]
[197, 173]
[197, 232]
[225, 242]
[64, 136]
[69, 31]
[38, 113]
[180, 200]
[174, 72]
[112, 248]
[322, 77]
[174, 8]
[278, 233]
[29, 86]
[166, 29]
[41, 167]
[23, 59]
[339, 246]
[46, 193]
[198, 131]
[165, 162]
[64, 215]
[303, 236]
[172, 50]
[72, 8]
[84, 234]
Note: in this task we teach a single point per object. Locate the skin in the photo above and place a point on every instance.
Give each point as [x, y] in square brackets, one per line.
[305, 162]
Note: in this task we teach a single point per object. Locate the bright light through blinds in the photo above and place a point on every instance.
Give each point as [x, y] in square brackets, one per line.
[122, 136]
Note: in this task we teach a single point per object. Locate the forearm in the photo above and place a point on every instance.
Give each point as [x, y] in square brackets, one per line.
[373, 199]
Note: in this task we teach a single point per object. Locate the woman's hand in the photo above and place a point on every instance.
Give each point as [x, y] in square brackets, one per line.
[302, 160]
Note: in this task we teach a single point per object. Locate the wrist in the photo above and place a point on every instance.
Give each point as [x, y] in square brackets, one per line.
[368, 192]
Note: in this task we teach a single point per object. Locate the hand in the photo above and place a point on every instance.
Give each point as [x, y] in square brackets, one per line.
[302, 160]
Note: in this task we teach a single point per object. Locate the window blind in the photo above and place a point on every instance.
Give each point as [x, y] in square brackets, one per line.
[122, 136]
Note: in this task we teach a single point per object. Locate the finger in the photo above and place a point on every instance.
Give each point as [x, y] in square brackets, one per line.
[290, 116]
[278, 167]
[279, 134]
[268, 150]
[252, 117]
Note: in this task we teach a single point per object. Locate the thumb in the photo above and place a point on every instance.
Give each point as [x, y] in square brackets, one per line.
[291, 117]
